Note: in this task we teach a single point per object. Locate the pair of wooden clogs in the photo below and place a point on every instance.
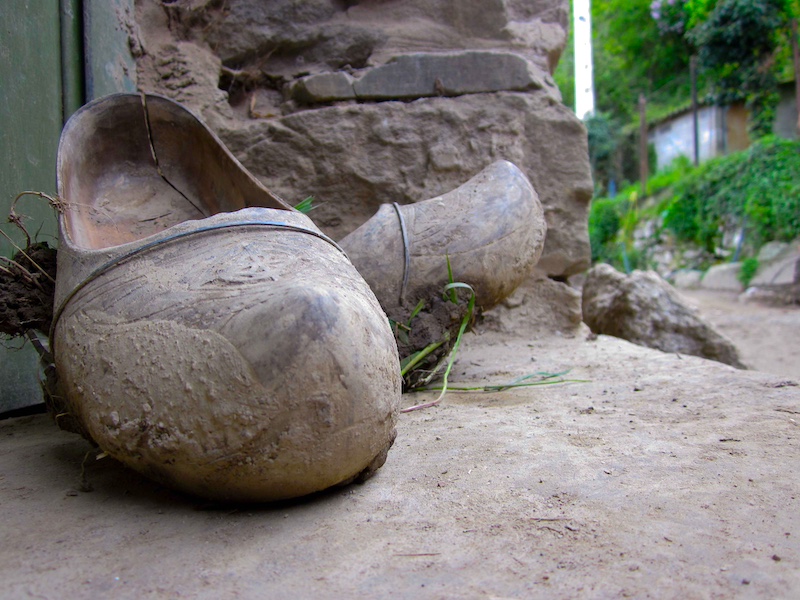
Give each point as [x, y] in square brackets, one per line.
[211, 337]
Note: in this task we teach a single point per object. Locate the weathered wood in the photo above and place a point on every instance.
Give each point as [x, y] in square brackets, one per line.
[796, 62]
[71, 57]
[643, 154]
[30, 117]
[109, 66]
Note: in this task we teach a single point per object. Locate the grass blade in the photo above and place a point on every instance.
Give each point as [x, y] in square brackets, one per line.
[305, 206]
[451, 281]
[452, 357]
[409, 362]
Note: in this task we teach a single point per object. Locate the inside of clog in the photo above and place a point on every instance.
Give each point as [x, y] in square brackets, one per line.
[132, 165]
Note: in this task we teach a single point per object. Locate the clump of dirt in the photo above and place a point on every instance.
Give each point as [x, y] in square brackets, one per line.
[27, 288]
[417, 330]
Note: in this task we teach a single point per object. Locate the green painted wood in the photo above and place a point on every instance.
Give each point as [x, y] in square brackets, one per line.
[30, 125]
[72, 82]
[109, 66]
[54, 54]
[30, 110]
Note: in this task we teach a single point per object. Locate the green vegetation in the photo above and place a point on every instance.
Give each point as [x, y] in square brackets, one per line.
[748, 270]
[739, 44]
[613, 221]
[305, 206]
[757, 190]
[645, 47]
[743, 49]
[449, 294]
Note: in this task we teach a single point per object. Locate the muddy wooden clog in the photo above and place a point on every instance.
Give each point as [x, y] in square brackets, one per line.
[491, 228]
[230, 352]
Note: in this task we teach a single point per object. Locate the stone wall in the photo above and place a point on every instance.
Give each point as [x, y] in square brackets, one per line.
[361, 103]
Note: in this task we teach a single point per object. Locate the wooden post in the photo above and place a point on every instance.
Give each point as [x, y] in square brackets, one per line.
[643, 157]
[72, 85]
[796, 60]
[695, 126]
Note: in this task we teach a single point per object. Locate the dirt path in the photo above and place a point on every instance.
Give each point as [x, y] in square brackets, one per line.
[768, 337]
[660, 477]
[655, 476]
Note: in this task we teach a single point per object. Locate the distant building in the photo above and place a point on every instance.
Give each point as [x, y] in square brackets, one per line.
[721, 130]
[786, 113]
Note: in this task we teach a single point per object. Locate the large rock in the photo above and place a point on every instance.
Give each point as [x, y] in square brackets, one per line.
[687, 279]
[444, 87]
[539, 308]
[352, 158]
[289, 38]
[644, 309]
[780, 269]
[724, 277]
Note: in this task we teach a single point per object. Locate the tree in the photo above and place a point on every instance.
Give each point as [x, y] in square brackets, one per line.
[697, 11]
[631, 56]
[644, 46]
[603, 136]
[738, 44]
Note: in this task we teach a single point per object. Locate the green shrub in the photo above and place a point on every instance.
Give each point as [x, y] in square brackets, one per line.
[612, 222]
[603, 137]
[604, 223]
[672, 174]
[748, 270]
[758, 187]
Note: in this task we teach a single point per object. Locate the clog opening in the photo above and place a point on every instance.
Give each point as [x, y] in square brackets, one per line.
[130, 168]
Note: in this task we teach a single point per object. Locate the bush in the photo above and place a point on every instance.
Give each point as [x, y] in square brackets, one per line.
[603, 137]
[612, 222]
[758, 187]
[747, 271]
[672, 174]
[604, 222]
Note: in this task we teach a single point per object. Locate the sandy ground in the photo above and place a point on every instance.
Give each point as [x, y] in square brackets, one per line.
[768, 337]
[656, 476]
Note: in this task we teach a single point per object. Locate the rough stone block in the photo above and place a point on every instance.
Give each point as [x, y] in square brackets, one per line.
[723, 277]
[785, 271]
[325, 87]
[451, 74]
[773, 251]
[543, 305]
[687, 279]
[354, 157]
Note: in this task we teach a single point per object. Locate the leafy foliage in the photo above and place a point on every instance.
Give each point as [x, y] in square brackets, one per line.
[631, 56]
[697, 11]
[604, 139]
[737, 44]
[612, 222]
[668, 177]
[747, 271]
[759, 187]
[669, 15]
[644, 46]
[605, 218]
[634, 56]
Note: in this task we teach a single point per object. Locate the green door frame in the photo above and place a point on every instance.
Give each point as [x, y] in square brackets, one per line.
[54, 56]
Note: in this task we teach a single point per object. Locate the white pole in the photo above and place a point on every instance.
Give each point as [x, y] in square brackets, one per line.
[584, 79]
